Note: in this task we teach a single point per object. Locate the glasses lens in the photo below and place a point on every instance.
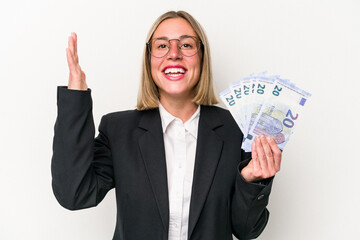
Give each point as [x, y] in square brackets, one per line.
[189, 46]
[159, 47]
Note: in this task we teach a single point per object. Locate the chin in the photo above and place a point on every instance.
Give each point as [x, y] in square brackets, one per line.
[176, 93]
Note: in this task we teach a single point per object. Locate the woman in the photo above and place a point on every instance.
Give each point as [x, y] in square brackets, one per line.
[175, 162]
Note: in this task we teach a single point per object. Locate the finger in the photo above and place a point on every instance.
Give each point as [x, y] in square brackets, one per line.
[268, 155]
[255, 160]
[276, 153]
[75, 40]
[70, 60]
[75, 47]
[261, 154]
[72, 48]
[71, 44]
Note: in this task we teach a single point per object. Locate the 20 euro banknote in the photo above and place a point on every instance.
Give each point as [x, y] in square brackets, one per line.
[268, 105]
[278, 115]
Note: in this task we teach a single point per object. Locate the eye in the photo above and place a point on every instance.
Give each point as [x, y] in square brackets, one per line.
[186, 45]
[162, 46]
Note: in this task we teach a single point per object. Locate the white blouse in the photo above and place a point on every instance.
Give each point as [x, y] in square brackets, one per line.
[180, 147]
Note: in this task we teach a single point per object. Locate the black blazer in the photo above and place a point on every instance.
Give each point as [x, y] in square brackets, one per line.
[128, 155]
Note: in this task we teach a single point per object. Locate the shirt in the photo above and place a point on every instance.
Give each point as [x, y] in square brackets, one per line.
[180, 147]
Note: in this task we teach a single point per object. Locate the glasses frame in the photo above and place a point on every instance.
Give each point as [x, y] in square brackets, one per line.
[148, 44]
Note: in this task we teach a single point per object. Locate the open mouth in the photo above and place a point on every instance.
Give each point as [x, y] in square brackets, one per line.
[174, 71]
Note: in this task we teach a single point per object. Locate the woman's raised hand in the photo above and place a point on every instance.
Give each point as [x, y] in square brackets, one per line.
[77, 78]
[265, 162]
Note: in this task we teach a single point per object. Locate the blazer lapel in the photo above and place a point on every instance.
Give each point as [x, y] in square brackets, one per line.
[152, 149]
[208, 151]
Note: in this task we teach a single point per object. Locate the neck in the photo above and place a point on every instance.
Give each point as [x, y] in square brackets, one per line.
[178, 107]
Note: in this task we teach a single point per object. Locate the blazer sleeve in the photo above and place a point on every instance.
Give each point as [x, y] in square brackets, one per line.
[249, 215]
[81, 166]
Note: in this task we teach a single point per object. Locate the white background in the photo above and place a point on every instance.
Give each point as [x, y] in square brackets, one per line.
[314, 43]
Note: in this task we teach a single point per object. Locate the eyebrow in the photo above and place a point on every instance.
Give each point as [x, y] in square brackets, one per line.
[166, 38]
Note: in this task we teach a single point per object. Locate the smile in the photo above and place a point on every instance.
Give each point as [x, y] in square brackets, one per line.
[174, 73]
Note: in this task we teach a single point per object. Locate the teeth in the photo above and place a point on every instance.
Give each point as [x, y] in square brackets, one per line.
[174, 70]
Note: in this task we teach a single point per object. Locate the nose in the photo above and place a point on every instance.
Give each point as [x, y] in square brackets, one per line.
[174, 52]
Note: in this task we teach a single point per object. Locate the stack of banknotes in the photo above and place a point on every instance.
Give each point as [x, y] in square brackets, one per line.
[264, 104]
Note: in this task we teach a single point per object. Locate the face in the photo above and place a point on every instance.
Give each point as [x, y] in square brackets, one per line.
[175, 74]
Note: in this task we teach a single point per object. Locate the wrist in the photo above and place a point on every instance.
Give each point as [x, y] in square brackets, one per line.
[78, 86]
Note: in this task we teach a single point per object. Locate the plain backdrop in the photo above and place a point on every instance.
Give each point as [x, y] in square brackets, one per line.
[314, 43]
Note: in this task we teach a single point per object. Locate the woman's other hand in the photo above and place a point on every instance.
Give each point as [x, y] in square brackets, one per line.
[265, 162]
[77, 78]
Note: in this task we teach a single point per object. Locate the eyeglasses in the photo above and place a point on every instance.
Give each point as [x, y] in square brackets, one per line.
[188, 46]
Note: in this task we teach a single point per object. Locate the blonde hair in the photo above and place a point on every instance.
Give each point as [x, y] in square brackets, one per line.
[148, 96]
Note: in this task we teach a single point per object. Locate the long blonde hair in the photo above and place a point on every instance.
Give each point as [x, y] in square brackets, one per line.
[148, 96]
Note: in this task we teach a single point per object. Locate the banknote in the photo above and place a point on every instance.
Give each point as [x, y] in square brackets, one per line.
[263, 104]
[260, 89]
[228, 98]
[237, 90]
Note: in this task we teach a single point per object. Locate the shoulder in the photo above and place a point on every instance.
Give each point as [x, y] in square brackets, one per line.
[223, 118]
[222, 114]
[126, 118]
[123, 115]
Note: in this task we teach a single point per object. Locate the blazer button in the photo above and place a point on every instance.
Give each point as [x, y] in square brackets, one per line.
[260, 197]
